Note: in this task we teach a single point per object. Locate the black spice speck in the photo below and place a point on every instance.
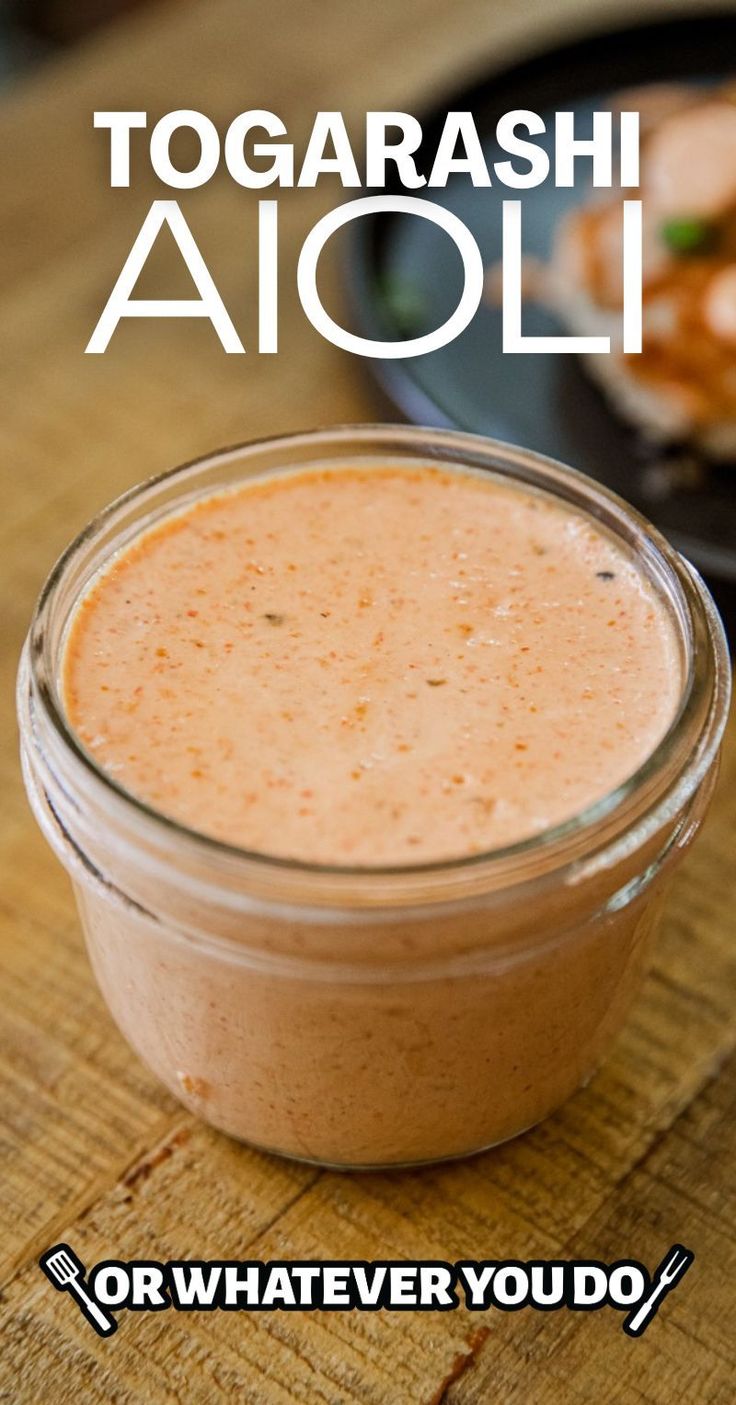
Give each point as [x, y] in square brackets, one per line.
[606, 575]
[272, 618]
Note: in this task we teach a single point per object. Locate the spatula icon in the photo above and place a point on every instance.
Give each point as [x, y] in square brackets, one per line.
[672, 1267]
[66, 1272]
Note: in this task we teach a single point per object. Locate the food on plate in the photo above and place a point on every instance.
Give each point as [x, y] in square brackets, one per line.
[682, 386]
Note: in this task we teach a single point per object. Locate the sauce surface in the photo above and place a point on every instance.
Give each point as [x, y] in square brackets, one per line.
[371, 665]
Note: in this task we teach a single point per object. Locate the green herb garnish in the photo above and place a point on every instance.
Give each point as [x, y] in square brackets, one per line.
[689, 235]
[404, 302]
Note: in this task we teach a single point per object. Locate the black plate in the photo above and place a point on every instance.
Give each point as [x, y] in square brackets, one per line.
[405, 278]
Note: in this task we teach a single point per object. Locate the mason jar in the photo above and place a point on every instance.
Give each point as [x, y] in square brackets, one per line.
[371, 1017]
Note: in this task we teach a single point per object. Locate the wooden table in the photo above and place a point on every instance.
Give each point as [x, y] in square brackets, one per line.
[92, 1149]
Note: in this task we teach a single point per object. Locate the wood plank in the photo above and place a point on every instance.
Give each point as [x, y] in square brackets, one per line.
[681, 1191]
[91, 1146]
[395, 1356]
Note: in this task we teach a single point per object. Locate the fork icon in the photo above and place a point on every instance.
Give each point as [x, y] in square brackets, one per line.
[672, 1267]
[66, 1271]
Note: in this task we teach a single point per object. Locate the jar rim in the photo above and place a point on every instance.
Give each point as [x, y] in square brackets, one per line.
[700, 718]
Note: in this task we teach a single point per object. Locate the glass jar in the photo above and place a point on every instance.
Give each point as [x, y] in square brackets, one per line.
[375, 1016]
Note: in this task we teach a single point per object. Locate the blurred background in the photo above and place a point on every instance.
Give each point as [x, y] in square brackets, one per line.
[78, 429]
[30, 29]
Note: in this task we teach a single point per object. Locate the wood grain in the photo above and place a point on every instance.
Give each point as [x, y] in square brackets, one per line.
[92, 1148]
